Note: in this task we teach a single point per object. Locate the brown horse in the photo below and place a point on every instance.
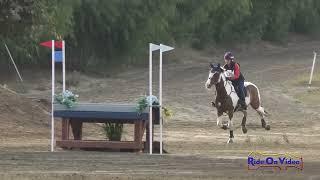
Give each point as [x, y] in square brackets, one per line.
[227, 99]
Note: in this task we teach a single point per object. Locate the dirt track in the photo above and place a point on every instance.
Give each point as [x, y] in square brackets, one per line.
[95, 165]
[192, 132]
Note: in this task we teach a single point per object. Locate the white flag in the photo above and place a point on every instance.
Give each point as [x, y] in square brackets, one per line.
[165, 48]
[153, 47]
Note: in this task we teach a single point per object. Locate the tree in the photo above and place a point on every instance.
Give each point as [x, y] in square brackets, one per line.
[25, 23]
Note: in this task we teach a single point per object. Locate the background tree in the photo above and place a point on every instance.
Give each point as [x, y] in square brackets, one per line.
[102, 34]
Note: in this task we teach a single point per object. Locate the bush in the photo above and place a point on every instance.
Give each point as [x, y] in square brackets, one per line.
[102, 34]
[113, 131]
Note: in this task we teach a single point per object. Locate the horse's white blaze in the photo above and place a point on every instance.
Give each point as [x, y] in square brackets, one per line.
[209, 79]
[210, 75]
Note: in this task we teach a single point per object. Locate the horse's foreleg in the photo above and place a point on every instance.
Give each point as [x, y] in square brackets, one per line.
[230, 125]
[243, 123]
[219, 114]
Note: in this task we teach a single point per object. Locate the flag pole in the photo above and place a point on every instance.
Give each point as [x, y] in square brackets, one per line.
[312, 68]
[163, 48]
[150, 99]
[160, 97]
[63, 66]
[52, 95]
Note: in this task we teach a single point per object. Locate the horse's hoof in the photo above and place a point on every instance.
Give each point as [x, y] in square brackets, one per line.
[224, 127]
[213, 104]
[263, 123]
[267, 127]
[244, 130]
[230, 141]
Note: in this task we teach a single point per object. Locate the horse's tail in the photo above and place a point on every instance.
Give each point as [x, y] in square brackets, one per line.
[257, 105]
[263, 111]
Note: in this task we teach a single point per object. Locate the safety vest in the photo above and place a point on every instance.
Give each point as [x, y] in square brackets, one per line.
[231, 67]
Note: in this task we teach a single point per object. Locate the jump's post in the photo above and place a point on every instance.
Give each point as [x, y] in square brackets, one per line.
[312, 68]
[55, 57]
[63, 66]
[152, 47]
[150, 101]
[163, 48]
[52, 95]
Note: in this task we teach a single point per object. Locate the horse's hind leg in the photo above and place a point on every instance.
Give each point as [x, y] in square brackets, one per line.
[243, 123]
[262, 113]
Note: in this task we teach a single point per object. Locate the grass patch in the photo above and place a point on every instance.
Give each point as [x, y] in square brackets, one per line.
[311, 97]
[299, 88]
[303, 80]
[285, 138]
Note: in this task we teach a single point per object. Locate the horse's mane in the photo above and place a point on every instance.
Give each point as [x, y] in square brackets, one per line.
[224, 78]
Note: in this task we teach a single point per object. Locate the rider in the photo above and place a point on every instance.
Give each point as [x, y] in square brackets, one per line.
[237, 80]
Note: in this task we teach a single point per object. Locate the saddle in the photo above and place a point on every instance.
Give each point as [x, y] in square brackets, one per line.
[213, 104]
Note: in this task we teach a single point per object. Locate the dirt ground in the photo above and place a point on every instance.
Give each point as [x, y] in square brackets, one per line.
[197, 147]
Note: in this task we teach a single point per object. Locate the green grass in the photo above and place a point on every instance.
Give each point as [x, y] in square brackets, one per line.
[303, 80]
[299, 87]
[310, 97]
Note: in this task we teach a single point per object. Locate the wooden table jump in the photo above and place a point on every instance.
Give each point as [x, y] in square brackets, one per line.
[101, 113]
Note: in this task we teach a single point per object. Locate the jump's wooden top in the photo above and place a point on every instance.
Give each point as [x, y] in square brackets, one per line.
[101, 111]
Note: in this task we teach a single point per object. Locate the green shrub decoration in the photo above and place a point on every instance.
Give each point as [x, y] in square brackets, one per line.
[66, 98]
[143, 103]
[113, 131]
[167, 112]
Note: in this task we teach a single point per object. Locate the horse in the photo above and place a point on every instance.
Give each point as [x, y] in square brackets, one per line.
[227, 99]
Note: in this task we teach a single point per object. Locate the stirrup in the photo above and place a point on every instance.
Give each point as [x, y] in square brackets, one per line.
[244, 107]
[240, 107]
